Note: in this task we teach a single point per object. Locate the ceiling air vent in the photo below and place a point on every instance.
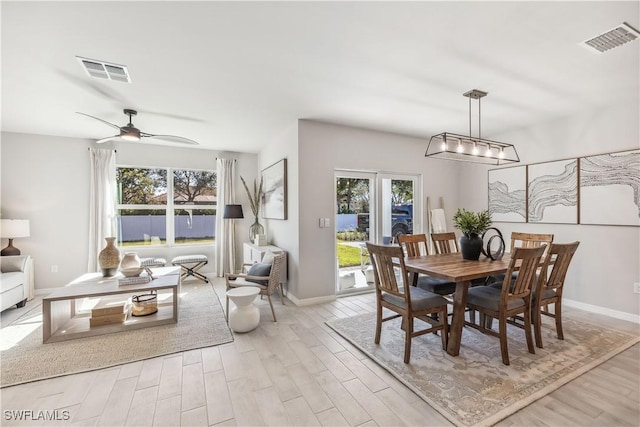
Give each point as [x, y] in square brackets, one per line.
[615, 37]
[105, 70]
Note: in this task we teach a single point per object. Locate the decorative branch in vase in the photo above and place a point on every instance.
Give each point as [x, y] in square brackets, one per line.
[254, 200]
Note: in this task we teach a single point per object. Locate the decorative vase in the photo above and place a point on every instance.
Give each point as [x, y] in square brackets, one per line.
[470, 246]
[109, 258]
[130, 261]
[255, 229]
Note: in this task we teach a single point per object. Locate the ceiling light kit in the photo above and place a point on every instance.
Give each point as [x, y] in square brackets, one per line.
[131, 133]
[452, 146]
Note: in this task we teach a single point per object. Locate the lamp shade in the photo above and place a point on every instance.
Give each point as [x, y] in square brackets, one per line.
[13, 228]
[232, 212]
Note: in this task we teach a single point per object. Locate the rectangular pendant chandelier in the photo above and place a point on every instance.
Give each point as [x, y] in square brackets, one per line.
[452, 146]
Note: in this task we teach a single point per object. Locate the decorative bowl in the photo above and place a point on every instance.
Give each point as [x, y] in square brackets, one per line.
[132, 272]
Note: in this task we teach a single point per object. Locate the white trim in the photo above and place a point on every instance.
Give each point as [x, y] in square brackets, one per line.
[629, 317]
[310, 301]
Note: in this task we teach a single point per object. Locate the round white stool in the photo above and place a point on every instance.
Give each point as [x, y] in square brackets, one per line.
[245, 316]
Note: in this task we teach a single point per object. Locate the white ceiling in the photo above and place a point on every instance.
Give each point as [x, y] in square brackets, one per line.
[235, 76]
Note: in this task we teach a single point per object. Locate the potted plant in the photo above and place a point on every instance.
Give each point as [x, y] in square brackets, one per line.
[472, 225]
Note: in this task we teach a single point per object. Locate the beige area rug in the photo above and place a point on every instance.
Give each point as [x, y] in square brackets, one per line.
[475, 388]
[24, 358]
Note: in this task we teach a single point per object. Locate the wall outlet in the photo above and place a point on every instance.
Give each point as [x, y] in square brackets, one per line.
[54, 268]
[636, 288]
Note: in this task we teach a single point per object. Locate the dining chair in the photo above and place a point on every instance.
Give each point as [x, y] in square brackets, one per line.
[523, 240]
[548, 290]
[417, 245]
[260, 275]
[513, 298]
[404, 300]
[445, 243]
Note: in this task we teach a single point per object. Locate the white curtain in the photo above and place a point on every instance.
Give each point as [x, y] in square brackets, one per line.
[102, 205]
[225, 230]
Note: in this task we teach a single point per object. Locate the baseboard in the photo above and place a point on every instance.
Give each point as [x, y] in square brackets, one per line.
[310, 301]
[634, 318]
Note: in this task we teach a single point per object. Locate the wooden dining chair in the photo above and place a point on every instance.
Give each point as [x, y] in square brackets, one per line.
[445, 243]
[417, 245]
[549, 291]
[404, 300]
[513, 298]
[524, 240]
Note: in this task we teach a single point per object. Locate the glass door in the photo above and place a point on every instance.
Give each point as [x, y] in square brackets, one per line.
[371, 207]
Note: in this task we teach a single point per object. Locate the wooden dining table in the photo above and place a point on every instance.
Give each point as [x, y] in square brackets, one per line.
[453, 268]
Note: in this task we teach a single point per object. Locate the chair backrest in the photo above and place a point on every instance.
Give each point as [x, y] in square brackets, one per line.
[277, 267]
[414, 244]
[526, 262]
[531, 240]
[561, 255]
[445, 243]
[384, 260]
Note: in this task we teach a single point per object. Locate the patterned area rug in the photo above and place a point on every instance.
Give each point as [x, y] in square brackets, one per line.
[24, 357]
[475, 388]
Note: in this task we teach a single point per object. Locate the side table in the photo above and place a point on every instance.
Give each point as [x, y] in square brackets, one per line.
[245, 316]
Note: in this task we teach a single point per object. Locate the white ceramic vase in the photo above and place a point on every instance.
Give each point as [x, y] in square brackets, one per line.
[130, 261]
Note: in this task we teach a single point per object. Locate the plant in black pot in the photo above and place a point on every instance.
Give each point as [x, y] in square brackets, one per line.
[472, 225]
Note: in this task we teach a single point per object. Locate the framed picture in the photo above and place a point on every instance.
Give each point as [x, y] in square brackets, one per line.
[552, 191]
[609, 193]
[274, 196]
[507, 194]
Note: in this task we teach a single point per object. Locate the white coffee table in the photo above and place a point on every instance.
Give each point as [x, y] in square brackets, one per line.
[245, 316]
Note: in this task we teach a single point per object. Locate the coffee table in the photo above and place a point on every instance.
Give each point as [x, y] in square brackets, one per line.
[64, 319]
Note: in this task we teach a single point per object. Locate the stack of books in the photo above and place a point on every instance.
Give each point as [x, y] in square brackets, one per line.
[109, 313]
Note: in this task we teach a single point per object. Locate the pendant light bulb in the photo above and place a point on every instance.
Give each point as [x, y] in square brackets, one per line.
[501, 153]
[475, 149]
[488, 153]
[460, 148]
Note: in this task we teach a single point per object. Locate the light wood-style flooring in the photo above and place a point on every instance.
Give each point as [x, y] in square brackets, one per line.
[298, 372]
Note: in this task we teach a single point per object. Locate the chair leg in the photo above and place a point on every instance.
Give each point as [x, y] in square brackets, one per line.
[378, 324]
[227, 311]
[537, 325]
[281, 293]
[445, 327]
[527, 331]
[273, 313]
[407, 338]
[503, 340]
[558, 314]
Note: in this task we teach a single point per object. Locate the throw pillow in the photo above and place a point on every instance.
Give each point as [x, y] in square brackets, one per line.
[268, 258]
[259, 269]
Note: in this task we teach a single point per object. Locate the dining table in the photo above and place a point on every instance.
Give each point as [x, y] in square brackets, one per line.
[453, 268]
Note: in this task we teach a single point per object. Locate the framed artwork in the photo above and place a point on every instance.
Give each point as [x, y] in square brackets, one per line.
[274, 196]
[552, 192]
[610, 189]
[507, 194]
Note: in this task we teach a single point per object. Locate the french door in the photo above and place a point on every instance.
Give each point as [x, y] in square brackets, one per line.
[371, 207]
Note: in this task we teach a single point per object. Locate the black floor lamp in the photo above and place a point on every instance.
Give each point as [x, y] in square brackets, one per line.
[233, 212]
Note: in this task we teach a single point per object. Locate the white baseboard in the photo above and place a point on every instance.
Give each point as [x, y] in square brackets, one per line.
[602, 310]
[310, 301]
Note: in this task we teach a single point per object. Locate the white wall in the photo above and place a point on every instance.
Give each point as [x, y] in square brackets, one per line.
[46, 179]
[607, 262]
[323, 148]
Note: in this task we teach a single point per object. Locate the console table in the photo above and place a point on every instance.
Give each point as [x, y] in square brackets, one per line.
[64, 319]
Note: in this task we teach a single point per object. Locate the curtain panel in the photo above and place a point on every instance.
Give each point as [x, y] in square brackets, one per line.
[102, 203]
[225, 231]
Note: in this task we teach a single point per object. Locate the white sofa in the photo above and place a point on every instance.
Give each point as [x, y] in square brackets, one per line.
[15, 280]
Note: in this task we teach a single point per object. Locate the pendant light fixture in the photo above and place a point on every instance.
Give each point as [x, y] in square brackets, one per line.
[452, 146]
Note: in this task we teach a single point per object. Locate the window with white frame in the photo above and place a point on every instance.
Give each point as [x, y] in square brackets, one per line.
[166, 206]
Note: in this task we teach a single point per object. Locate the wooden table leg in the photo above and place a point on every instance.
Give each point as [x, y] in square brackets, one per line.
[457, 322]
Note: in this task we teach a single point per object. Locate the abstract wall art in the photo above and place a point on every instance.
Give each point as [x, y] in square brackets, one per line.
[553, 192]
[507, 194]
[274, 197]
[610, 189]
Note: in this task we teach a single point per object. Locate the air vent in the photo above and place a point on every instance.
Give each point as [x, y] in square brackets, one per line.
[105, 70]
[615, 37]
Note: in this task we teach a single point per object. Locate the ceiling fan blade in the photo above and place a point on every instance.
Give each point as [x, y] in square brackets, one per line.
[173, 116]
[103, 121]
[170, 138]
[107, 139]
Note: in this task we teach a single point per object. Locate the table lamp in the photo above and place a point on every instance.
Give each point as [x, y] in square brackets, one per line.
[11, 229]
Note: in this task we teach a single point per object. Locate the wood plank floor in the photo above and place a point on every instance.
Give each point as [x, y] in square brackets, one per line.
[298, 372]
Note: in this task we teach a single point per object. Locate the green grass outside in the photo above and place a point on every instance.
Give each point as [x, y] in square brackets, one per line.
[348, 256]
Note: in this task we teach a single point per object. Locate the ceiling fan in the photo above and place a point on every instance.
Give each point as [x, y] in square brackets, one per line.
[129, 132]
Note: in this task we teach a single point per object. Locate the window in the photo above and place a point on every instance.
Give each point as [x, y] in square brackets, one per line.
[153, 209]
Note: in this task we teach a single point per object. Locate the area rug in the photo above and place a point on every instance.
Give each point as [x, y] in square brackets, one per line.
[475, 388]
[25, 358]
